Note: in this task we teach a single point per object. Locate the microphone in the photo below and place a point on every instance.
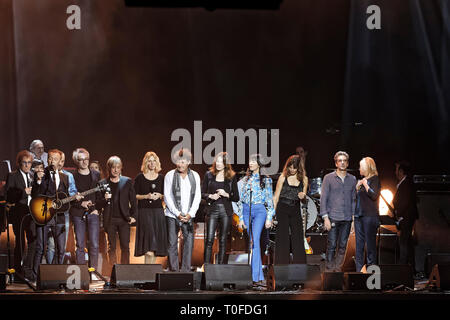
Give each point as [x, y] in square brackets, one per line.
[108, 190]
[50, 169]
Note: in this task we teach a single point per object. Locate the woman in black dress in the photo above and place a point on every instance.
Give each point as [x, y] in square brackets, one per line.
[290, 191]
[151, 231]
[219, 189]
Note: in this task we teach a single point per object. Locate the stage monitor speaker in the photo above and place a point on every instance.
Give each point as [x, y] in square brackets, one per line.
[3, 271]
[2, 281]
[294, 277]
[332, 281]
[175, 281]
[393, 275]
[134, 275]
[58, 276]
[4, 263]
[356, 281]
[440, 277]
[437, 258]
[222, 276]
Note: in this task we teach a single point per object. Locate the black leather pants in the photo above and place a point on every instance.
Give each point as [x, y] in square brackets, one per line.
[217, 217]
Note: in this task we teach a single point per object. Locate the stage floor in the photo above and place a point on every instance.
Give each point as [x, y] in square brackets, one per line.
[97, 292]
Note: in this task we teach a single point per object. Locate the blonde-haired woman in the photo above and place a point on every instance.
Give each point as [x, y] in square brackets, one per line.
[151, 230]
[366, 214]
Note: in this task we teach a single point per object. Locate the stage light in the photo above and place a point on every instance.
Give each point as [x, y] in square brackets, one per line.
[382, 207]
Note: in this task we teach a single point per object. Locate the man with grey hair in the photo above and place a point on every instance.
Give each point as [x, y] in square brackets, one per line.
[182, 195]
[337, 206]
[85, 214]
[37, 148]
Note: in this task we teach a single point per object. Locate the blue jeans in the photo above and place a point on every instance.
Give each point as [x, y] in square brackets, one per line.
[50, 255]
[337, 244]
[258, 220]
[92, 222]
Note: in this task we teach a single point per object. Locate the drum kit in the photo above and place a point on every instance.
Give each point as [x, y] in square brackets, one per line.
[313, 221]
[311, 215]
[314, 224]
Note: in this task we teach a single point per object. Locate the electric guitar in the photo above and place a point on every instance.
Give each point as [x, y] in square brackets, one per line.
[44, 208]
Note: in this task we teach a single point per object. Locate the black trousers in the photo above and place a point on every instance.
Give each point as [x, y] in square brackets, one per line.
[42, 232]
[289, 218]
[24, 226]
[119, 227]
[405, 240]
[217, 217]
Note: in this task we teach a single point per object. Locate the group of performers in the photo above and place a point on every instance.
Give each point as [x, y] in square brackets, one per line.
[162, 205]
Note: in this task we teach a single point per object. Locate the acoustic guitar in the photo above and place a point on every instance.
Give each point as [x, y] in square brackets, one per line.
[44, 208]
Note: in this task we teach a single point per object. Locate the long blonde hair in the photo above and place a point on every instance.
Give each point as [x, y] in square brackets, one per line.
[148, 155]
[371, 167]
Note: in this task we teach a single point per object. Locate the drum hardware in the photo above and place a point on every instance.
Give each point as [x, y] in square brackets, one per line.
[304, 212]
[315, 187]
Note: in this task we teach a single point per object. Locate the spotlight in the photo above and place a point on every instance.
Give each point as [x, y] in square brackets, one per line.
[382, 207]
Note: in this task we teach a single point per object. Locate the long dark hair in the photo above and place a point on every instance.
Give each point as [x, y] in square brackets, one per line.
[256, 157]
[295, 161]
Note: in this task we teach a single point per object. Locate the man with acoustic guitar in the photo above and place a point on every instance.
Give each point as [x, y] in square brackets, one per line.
[51, 183]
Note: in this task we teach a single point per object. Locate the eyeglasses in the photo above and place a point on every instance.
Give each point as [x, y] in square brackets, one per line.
[342, 160]
[27, 162]
[85, 159]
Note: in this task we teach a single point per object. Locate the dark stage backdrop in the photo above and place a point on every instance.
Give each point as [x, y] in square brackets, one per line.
[312, 69]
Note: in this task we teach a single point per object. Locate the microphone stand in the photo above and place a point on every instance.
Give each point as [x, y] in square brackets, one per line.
[11, 271]
[250, 234]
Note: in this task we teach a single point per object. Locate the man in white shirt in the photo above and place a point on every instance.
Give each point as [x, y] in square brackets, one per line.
[48, 183]
[182, 195]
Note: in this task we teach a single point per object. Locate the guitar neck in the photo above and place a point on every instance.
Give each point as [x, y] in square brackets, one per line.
[388, 205]
[84, 193]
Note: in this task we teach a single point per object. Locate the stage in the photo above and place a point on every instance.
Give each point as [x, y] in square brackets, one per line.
[96, 292]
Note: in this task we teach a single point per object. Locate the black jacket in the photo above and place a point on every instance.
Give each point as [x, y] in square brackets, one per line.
[127, 201]
[230, 188]
[367, 201]
[15, 193]
[47, 186]
[405, 202]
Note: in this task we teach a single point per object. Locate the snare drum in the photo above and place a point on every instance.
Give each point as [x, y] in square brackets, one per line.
[312, 213]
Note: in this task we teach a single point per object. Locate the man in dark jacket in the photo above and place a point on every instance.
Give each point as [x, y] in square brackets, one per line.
[405, 205]
[18, 193]
[49, 183]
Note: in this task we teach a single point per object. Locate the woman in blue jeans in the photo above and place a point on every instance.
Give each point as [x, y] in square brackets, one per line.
[258, 189]
[367, 214]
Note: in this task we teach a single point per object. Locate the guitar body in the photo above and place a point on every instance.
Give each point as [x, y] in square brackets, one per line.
[43, 208]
